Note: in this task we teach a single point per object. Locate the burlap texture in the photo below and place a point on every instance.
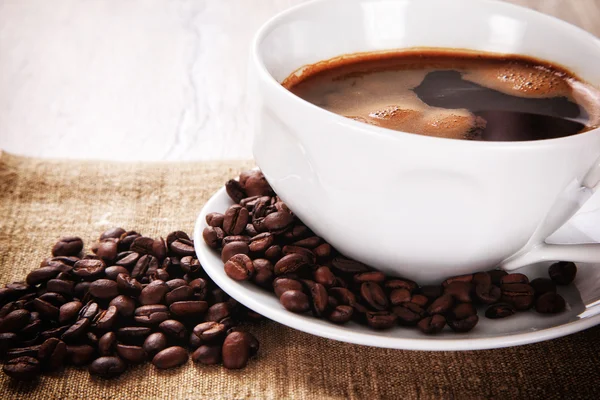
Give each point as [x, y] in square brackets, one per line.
[42, 200]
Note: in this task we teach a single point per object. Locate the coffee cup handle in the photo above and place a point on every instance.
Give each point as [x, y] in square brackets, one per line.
[585, 253]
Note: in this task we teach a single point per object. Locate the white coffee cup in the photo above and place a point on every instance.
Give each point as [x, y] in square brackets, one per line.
[412, 205]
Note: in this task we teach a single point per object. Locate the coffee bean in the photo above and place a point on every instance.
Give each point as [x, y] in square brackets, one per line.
[239, 267]
[104, 289]
[133, 334]
[341, 314]
[8, 340]
[107, 250]
[128, 286]
[273, 253]
[306, 253]
[371, 276]
[235, 219]
[55, 332]
[343, 296]
[499, 310]
[81, 289]
[514, 278]
[520, 295]
[233, 248]
[209, 331]
[481, 278]
[468, 278]
[131, 354]
[263, 272]
[46, 310]
[22, 368]
[408, 313]
[463, 310]
[214, 219]
[89, 310]
[28, 351]
[401, 284]
[52, 353]
[235, 190]
[154, 293]
[105, 319]
[76, 330]
[432, 325]
[487, 294]
[374, 295]
[207, 354]
[543, 285]
[432, 292]
[441, 305]
[80, 355]
[107, 367]
[144, 266]
[125, 305]
[67, 246]
[107, 344]
[460, 290]
[127, 239]
[496, 275]
[261, 242]
[278, 222]
[114, 233]
[151, 315]
[213, 236]
[188, 308]
[42, 275]
[170, 357]
[550, 303]
[183, 247]
[318, 297]
[295, 301]
[281, 285]
[563, 272]
[349, 266]
[236, 351]
[323, 251]
[324, 276]
[15, 321]
[55, 299]
[463, 325]
[254, 183]
[173, 329]
[60, 286]
[289, 264]
[89, 269]
[398, 296]
[217, 312]
[381, 319]
[420, 300]
[236, 238]
[114, 271]
[155, 343]
[180, 293]
[127, 259]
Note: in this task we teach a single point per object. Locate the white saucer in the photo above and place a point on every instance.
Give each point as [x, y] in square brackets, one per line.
[583, 309]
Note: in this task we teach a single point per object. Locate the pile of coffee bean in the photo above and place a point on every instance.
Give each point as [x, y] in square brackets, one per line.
[133, 299]
[262, 241]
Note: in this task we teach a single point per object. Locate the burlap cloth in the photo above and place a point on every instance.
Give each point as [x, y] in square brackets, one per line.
[41, 200]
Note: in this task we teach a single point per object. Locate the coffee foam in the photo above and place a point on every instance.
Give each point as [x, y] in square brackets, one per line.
[401, 109]
[521, 80]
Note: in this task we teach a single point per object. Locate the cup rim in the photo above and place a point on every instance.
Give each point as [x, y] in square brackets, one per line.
[377, 131]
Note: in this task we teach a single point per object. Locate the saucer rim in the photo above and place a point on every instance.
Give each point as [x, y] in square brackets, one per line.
[243, 293]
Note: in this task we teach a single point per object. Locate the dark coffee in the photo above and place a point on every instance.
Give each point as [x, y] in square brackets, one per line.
[452, 94]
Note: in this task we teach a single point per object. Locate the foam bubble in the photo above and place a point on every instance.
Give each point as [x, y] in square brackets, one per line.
[521, 80]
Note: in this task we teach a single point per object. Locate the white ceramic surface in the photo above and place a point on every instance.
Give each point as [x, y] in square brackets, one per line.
[583, 298]
[408, 204]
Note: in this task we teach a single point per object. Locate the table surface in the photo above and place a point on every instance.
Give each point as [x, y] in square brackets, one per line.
[144, 79]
